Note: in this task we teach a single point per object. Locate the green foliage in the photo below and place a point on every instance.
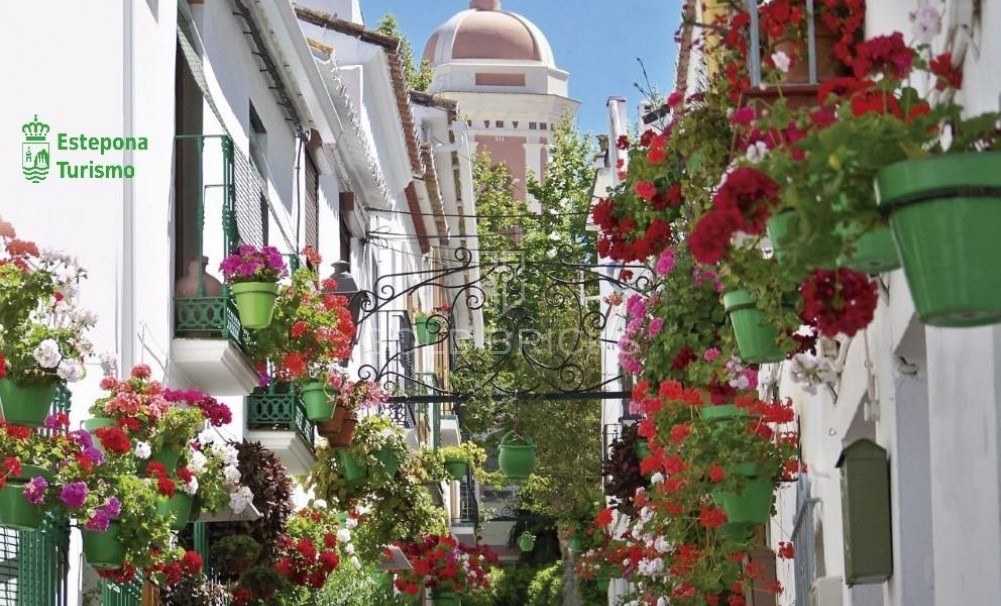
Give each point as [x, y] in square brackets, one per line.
[418, 77]
[546, 588]
[234, 551]
[511, 586]
[470, 452]
[350, 586]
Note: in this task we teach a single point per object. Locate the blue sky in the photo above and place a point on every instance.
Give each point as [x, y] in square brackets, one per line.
[597, 41]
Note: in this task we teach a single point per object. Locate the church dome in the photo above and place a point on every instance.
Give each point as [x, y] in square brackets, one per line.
[485, 32]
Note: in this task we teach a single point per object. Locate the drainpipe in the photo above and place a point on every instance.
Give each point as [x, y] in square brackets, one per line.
[127, 320]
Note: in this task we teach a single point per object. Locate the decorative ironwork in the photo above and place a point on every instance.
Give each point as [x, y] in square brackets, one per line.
[113, 594]
[402, 413]
[279, 409]
[513, 283]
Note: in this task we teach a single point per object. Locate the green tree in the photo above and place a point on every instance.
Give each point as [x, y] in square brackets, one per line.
[417, 76]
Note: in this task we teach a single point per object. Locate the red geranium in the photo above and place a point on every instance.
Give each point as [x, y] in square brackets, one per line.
[839, 301]
[113, 439]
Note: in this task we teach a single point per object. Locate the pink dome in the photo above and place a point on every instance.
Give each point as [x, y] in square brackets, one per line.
[486, 32]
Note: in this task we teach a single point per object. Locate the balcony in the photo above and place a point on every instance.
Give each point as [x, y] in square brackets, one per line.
[208, 337]
[277, 419]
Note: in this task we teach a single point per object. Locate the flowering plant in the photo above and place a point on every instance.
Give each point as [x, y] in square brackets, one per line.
[622, 471]
[217, 482]
[636, 219]
[311, 330]
[309, 550]
[251, 264]
[358, 395]
[42, 331]
[443, 564]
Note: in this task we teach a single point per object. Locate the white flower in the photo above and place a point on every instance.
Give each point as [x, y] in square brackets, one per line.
[349, 549]
[927, 24]
[109, 364]
[47, 354]
[782, 61]
[355, 562]
[231, 476]
[319, 504]
[662, 601]
[661, 545]
[650, 567]
[343, 535]
[657, 478]
[196, 461]
[757, 152]
[70, 371]
[143, 450]
[351, 522]
[191, 487]
[239, 500]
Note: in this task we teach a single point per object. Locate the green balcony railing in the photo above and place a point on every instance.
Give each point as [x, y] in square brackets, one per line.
[279, 408]
[428, 385]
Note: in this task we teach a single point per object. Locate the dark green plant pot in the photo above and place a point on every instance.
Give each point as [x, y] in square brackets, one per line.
[96, 423]
[737, 533]
[316, 401]
[26, 405]
[428, 330]
[31, 471]
[723, 411]
[103, 550]
[753, 504]
[526, 542]
[576, 544]
[603, 583]
[945, 213]
[169, 456]
[390, 459]
[757, 342]
[353, 471]
[16, 511]
[873, 252]
[255, 302]
[778, 227]
[178, 507]
[456, 468]
[516, 461]
[642, 449]
[445, 598]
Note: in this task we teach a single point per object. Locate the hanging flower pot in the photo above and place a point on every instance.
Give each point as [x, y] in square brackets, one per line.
[428, 329]
[16, 511]
[335, 423]
[576, 544]
[753, 504]
[26, 404]
[343, 438]
[255, 302]
[104, 550]
[526, 542]
[169, 456]
[178, 507]
[945, 213]
[873, 252]
[390, 459]
[317, 401]
[722, 412]
[96, 423]
[642, 449]
[456, 468]
[516, 457]
[756, 341]
[352, 470]
[445, 598]
[737, 532]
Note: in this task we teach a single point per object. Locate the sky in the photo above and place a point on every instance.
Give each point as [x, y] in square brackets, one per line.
[597, 41]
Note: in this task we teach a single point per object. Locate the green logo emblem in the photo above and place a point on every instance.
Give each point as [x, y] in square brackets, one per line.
[35, 151]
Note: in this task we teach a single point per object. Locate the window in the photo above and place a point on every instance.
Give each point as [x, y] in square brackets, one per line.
[258, 158]
[486, 124]
[543, 126]
[514, 123]
[312, 203]
[499, 124]
[532, 126]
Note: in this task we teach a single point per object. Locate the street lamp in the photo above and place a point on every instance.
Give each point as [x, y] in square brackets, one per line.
[347, 287]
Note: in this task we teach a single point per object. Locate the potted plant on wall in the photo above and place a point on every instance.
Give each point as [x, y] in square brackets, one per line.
[42, 331]
[252, 275]
[447, 567]
[458, 459]
[352, 397]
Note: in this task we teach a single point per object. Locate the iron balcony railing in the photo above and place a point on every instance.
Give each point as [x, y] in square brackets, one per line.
[279, 408]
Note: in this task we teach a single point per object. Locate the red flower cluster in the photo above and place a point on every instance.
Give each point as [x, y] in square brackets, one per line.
[437, 563]
[164, 484]
[743, 203]
[171, 574]
[838, 301]
[946, 75]
[306, 564]
[888, 55]
[847, 18]
[113, 439]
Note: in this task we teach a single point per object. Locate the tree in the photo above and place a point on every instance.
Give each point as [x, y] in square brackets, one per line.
[417, 78]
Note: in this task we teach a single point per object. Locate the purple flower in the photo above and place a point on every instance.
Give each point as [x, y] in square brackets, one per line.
[82, 437]
[94, 455]
[113, 508]
[34, 491]
[51, 422]
[99, 522]
[74, 495]
[665, 263]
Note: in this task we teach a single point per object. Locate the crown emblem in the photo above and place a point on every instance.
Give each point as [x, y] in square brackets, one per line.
[35, 130]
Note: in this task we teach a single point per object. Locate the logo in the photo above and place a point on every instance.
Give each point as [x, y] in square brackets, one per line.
[35, 151]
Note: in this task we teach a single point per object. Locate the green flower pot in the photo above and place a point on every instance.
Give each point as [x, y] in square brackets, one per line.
[737, 532]
[757, 342]
[873, 252]
[576, 544]
[945, 213]
[16, 511]
[445, 598]
[352, 470]
[753, 504]
[526, 542]
[456, 468]
[31, 471]
[316, 401]
[516, 461]
[603, 583]
[96, 423]
[778, 232]
[169, 456]
[390, 460]
[721, 412]
[26, 405]
[642, 448]
[255, 302]
[103, 550]
[428, 330]
[178, 508]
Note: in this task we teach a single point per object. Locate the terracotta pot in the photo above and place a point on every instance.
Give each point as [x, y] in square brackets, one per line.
[187, 286]
[828, 65]
[333, 426]
[342, 439]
